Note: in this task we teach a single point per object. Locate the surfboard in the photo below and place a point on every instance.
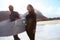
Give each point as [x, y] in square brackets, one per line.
[8, 28]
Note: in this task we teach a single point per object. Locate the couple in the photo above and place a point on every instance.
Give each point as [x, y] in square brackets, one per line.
[30, 26]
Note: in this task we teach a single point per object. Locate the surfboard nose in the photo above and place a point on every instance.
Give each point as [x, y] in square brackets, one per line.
[4, 15]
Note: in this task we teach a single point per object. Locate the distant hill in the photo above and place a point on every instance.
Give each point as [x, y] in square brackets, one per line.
[39, 15]
[57, 18]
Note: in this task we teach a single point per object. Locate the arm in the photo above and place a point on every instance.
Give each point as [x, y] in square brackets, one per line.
[17, 15]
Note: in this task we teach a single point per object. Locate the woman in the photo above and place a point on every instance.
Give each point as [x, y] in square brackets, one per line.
[31, 22]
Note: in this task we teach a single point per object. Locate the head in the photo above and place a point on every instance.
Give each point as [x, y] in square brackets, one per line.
[11, 8]
[30, 8]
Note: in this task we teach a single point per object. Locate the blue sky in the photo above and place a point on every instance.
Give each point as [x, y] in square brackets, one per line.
[49, 8]
[55, 7]
[51, 2]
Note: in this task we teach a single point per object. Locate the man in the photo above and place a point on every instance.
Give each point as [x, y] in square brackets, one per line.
[14, 16]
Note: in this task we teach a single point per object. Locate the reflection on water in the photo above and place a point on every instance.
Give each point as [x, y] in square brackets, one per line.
[43, 32]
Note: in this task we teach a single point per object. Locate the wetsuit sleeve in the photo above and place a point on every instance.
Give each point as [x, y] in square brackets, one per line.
[17, 15]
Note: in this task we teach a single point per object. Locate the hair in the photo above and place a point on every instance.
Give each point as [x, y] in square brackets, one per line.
[31, 8]
[10, 6]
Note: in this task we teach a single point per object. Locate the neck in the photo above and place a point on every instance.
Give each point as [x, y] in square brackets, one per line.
[11, 11]
[32, 12]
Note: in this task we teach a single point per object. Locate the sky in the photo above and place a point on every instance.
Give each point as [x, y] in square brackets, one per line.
[49, 8]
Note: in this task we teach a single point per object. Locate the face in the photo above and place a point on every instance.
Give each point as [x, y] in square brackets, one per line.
[29, 8]
[11, 8]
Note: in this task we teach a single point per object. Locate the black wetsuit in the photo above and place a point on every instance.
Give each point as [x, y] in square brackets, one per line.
[14, 16]
[31, 25]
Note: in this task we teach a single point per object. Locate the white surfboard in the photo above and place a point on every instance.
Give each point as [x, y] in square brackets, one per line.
[8, 28]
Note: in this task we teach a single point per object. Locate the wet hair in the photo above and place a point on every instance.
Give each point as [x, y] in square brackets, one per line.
[31, 7]
[10, 6]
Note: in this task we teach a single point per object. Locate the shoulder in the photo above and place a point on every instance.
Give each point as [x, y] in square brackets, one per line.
[16, 13]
